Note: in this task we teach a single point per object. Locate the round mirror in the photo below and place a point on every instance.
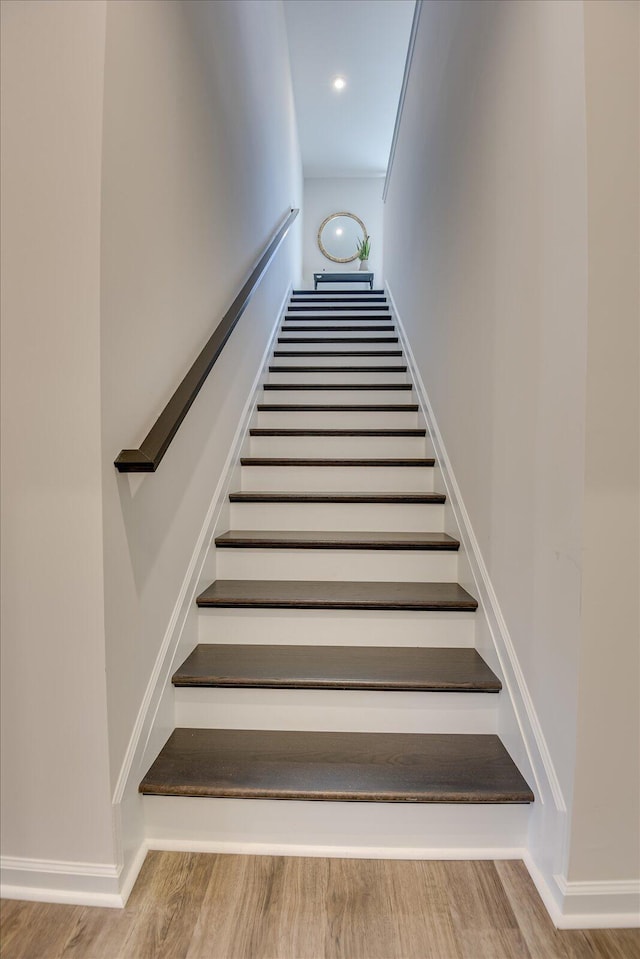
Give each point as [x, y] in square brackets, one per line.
[338, 235]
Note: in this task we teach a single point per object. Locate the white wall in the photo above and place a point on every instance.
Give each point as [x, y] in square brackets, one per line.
[55, 773]
[491, 260]
[605, 834]
[326, 195]
[201, 162]
[126, 235]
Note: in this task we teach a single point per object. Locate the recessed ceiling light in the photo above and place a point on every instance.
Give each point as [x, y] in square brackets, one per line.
[339, 231]
[339, 83]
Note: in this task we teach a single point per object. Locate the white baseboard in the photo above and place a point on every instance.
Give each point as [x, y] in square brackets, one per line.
[308, 851]
[612, 904]
[47, 880]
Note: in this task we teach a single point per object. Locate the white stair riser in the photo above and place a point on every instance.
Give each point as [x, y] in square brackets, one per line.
[370, 830]
[337, 376]
[325, 564]
[346, 627]
[337, 395]
[340, 446]
[351, 478]
[338, 419]
[334, 347]
[351, 360]
[337, 710]
[377, 517]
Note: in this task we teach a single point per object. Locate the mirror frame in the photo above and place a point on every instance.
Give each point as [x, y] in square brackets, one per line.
[332, 216]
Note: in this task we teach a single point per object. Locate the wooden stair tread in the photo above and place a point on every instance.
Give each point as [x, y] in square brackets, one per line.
[296, 306]
[339, 386]
[334, 539]
[337, 352]
[337, 369]
[338, 407]
[276, 496]
[366, 767]
[331, 594]
[259, 431]
[338, 667]
[336, 461]
[337, 298]
[293, 328]
[320, 293]
[337, 339]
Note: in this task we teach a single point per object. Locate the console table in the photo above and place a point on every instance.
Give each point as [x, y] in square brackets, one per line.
[360, 277]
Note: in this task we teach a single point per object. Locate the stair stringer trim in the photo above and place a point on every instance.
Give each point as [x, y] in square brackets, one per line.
[519, 724]
[154, 721]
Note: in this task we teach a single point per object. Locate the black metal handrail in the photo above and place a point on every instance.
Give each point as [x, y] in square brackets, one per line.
[156, 442]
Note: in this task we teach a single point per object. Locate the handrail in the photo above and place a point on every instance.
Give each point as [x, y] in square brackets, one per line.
[156, 442]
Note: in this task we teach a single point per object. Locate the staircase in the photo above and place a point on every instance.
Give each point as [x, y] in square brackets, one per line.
[336, 659]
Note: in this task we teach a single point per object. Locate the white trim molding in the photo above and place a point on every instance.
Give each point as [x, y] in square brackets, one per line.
[50, 880]
[610, 904]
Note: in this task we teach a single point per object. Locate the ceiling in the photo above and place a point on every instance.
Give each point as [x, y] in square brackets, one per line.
[364, 41]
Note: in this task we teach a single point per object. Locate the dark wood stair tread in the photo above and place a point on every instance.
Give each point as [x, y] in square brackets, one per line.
[296, 306]
[337, 298]
[285, 496]
[330, 594]
[429, 669]
[338, 407]
[337, 369]
[342, 766]
[338, 539]
[337, 339]
[329, 293]
[335, 461]
[259, 431]
[338, 386]
[292, 328]
[337, 352]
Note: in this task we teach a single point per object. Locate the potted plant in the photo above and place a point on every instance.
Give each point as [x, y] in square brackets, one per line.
[364, 248]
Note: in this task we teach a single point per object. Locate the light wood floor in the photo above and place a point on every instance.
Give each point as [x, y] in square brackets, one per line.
[192, 906]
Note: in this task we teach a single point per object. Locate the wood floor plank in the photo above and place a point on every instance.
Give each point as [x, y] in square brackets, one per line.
[417, 900]
[484, 923]
[543, 939]
[303, 908]
[167, 917]
[333, 594]
[339, 767]
[36, 930]
[245, 909]
[337, 667]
